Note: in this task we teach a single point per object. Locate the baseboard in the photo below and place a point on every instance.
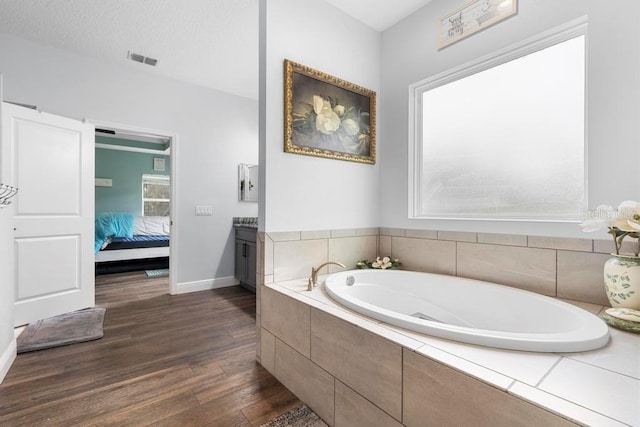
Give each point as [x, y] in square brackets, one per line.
[204, 285]
[7, 358]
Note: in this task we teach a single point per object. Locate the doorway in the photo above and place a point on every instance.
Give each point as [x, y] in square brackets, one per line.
[157, 150]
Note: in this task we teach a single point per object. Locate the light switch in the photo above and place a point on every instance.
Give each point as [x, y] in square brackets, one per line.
[204, 210]
[103, 182]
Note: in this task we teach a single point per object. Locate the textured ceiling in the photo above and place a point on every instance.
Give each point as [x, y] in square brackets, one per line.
[379, 14]
[212, 43]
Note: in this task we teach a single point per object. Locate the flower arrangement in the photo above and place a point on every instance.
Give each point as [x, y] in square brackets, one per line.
[326, 122]
[381, 264]
[623, 222]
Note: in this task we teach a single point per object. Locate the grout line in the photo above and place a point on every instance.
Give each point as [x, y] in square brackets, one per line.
[549, 371]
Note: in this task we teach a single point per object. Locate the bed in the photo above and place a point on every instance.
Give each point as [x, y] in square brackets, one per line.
[121, 237]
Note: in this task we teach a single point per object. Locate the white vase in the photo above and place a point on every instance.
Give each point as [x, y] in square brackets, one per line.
[622, 281]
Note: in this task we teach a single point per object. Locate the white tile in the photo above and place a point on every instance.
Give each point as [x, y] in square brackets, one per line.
[503, 239]
[384, 246]
[347, 232]
[487, 375]
[579, 276]
[621, 355]
[294, 259]
[317, 234]
[458, 236]
[567, 244]
[433, 256]
[560, 406]
[268, 256]
[523, 366]
[284, 236]
[386, 231]
[350, 250]
[373, 231]
[608, 393]
[591, 308]
[530, 269]
[607, 246]
[422, 234]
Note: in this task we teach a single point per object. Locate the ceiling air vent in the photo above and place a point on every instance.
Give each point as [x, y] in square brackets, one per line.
[142, 59]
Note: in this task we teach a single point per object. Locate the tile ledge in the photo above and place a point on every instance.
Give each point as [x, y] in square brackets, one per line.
[297, 289]
[561, 407]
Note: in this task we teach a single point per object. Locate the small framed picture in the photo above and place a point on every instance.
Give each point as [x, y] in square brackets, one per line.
[473, 16]
[158, 164]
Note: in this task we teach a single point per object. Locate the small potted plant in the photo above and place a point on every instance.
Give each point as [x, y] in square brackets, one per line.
[622, 271]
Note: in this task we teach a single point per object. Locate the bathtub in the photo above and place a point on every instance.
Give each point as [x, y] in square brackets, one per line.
[469, 311]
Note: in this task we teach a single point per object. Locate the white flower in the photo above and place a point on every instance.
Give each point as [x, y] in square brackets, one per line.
[339, 110]
[383, 263]
[327, 121]
[625, 219]
[603, 217]
[351, 126]
[628, 208]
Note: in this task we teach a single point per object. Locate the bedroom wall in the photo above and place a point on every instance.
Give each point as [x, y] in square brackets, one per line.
[216, 131]
[410, 54]
[125, 169]
[301, 192]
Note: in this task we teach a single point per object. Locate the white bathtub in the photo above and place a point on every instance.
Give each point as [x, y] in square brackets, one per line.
[469, 311]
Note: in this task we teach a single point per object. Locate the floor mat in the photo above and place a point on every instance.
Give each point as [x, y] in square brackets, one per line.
[69, 328]
[298, 417]
[163, 272]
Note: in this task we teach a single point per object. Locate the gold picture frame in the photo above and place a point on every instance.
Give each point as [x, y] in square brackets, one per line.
[473, 16]
[325, 116]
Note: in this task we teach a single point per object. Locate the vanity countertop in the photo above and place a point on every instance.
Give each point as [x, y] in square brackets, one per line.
[245, 222]
[599, 387]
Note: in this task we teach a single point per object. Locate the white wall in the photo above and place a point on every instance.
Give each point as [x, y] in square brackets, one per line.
[7, 342]
[301, 192]
[216, 131]
[410, 54]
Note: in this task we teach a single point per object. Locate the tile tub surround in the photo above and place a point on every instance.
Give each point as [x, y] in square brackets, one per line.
[463, 382]
[558, 267]
[569, 269]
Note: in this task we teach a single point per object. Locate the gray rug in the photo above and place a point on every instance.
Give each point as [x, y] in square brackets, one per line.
[163, 272]
[69, 328]
[298, 417]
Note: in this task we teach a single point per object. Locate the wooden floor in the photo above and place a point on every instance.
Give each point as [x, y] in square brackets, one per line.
[185, 360]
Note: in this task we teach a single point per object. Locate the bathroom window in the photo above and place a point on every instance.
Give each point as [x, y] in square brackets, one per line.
[156, 194]
[503, 137]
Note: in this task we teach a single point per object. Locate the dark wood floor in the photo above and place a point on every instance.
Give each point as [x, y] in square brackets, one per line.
[185, 360]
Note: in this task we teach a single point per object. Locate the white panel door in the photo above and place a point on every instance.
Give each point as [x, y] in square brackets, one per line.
[52, 163]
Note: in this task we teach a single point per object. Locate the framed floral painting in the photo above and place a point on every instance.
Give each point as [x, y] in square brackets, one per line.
[328, 117]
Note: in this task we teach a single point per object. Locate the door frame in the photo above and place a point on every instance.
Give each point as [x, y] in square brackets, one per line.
[173, 173]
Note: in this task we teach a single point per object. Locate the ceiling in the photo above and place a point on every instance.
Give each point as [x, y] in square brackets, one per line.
[211, 43]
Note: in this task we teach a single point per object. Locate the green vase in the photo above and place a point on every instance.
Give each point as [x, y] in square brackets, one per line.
[622, 281]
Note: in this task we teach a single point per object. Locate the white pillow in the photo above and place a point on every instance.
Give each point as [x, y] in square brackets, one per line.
[151, 225]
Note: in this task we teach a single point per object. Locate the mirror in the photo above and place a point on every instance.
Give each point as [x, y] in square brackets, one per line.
[247, 182]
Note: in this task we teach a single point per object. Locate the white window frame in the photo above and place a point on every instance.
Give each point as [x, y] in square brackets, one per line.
[572, 29]
[150, 177]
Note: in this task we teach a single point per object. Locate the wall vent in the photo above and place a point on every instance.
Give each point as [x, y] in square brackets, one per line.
[142, 59]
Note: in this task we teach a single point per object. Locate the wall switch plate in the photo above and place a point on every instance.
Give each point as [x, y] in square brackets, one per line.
[204, 210]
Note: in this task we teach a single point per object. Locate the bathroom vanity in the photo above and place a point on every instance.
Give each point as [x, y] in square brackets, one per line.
[245, 251]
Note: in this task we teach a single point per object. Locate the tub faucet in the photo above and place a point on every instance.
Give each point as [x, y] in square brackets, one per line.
[313, 280]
